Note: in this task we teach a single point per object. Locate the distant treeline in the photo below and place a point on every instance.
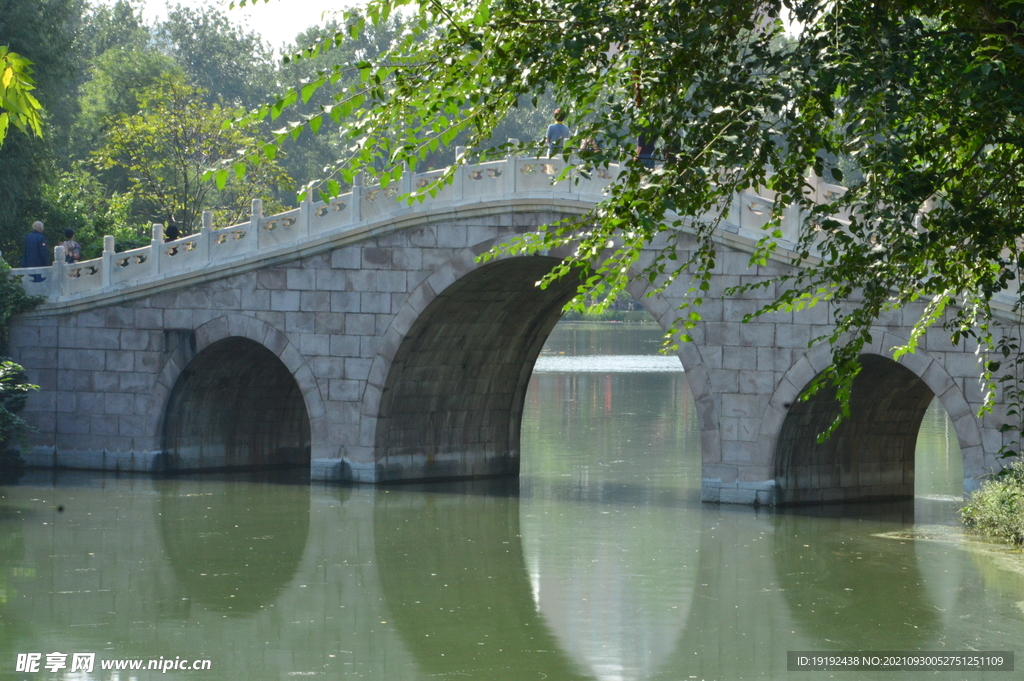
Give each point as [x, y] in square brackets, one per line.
[625, 309]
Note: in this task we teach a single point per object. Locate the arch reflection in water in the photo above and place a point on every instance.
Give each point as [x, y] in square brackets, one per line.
[848, 588]
[451, 568]
[235, 544]
[611, 457]
[938, 463]
[615, 586]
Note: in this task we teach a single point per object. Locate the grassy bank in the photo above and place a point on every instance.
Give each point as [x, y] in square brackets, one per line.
[997, 509]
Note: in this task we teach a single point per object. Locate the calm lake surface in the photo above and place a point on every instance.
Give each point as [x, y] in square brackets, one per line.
[599, 563]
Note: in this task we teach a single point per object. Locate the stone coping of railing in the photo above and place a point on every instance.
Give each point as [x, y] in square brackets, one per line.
[362, 213]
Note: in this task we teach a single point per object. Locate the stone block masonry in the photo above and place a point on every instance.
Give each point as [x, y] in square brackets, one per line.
[379, 350]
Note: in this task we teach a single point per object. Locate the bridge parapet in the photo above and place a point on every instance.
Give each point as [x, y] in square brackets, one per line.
[362, 209]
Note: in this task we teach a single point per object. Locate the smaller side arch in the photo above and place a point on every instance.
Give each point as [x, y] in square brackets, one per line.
[872, 453]
[249, 338]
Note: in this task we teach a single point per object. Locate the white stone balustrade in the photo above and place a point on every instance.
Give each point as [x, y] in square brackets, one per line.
[362, 208]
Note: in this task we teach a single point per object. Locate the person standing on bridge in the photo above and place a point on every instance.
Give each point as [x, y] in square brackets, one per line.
[35, 248]
[72, 249]
[557, 132]
[172, 233]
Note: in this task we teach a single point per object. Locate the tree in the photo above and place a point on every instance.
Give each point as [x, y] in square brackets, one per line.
[116, 77]
[233, 66]
[924, 99]
[42, 31]
[311, 158]
[166, 148]
[75, 199]
[117, 26]
[13, 386]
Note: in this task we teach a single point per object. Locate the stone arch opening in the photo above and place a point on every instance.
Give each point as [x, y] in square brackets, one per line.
[871, 454]
[452, 403]
[235, 406]
[938, 465]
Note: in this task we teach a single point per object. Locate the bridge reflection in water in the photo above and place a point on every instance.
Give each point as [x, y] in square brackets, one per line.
[233, 548]
[409, 584]
[596, 566]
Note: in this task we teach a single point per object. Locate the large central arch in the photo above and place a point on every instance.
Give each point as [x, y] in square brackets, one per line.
[452, 403]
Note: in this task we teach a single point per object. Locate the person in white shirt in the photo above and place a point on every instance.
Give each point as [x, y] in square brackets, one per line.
[557, 132]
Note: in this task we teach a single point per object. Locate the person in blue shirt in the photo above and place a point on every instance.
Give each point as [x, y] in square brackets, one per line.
[35, 248]
[557, 132]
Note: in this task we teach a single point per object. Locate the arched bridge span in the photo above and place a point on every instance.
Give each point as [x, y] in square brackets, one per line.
[381, 350]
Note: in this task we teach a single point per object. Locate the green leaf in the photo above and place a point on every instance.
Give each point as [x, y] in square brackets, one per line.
[309, 89]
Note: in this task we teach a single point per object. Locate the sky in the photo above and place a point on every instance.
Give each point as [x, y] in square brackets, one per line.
[277, 21]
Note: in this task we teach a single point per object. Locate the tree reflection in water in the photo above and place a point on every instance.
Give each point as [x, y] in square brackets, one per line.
[846, 587]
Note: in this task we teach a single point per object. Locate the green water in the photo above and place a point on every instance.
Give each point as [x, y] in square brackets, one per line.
[599, 563]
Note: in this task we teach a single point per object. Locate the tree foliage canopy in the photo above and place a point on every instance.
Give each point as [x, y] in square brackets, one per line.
[919, 101]
[41, 31]
[90, 60]
[234, 66]
[169, 144]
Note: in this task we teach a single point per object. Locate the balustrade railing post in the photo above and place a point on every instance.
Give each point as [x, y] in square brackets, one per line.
[357, 198]
[406, 185]
[458, 182]
[57, 275]
[205, 239]
[108, 260]
[790, 227]
[156, 246]
[510, 168]
[736, 210]
[305, 213]
[254, 221]
[257, 213]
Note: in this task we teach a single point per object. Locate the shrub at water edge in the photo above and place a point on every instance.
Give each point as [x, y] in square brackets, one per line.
[14, 388]
[13, 394]
[997, 509]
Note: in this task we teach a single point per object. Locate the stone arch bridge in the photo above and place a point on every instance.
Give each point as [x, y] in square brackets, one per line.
[362, 338]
